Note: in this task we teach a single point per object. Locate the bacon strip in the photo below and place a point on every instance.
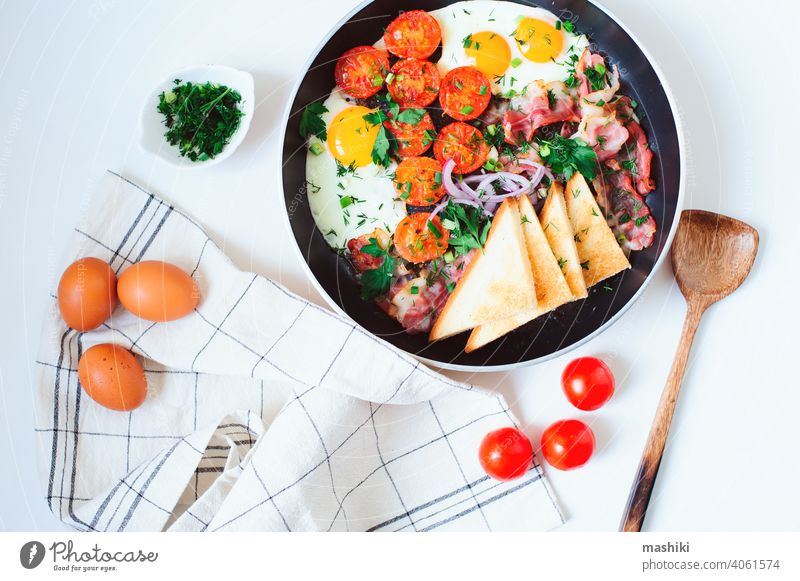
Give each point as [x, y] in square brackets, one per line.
[605, 134]
[417, 312]
[541, 105]
[626, 211]
[644, 158]
[361, 260]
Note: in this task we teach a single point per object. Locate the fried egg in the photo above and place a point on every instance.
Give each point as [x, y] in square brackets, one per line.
[512, 44]
[348, 194]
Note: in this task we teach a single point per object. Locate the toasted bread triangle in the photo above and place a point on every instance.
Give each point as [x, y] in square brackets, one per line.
[558, 230]
[498, 282]
[598, 251]
[552, 289]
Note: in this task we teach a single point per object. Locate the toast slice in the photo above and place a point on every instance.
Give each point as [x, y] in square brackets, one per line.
[558, 230]
[498, 282]
[598, 250]
[552, 289]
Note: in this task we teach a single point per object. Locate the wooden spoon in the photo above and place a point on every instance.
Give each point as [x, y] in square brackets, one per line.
[711, 257]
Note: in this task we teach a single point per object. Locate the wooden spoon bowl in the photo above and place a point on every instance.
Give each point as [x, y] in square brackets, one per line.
[711, 256]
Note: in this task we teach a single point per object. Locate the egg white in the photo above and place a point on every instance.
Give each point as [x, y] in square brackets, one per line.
[461, 19]
[370, 187]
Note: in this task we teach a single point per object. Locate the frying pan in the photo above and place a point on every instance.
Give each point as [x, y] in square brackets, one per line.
[570, 325]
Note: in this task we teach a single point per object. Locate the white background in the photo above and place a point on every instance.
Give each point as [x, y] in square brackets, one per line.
[73, 76]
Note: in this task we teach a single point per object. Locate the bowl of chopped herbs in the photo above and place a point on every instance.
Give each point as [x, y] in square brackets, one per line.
[198, 116]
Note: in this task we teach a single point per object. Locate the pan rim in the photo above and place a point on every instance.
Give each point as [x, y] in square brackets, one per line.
[519, 364]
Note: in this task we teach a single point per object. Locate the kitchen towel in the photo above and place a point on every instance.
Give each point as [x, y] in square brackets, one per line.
[369, 440]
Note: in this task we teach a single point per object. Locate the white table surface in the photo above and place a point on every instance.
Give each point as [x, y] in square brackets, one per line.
[72, 79]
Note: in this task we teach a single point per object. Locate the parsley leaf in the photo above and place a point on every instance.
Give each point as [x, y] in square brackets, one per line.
[310, 122]
[377, 281]
[566, 156]
[380, 151]
[200, 118]
[467, 227]
[411, 116]
[383, 141]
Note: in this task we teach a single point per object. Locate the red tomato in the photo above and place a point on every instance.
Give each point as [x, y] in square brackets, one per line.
[415, 83]
[420, 239]
[505, 454]
[463, 144]
[360, 71]
[413, 34]
[418, 181]
[465, 93]
[412, 140]
[568, 444]
[588, 383]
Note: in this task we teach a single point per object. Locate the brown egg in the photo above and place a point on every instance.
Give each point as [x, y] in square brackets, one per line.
[87, 293]
[157, 291]
[112, 377]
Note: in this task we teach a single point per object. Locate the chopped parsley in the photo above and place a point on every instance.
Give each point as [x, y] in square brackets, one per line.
[551, 99]
[596, 76]
[343, 170]
[200, 119]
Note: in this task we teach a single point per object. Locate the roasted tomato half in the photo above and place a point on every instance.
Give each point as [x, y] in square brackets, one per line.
[465, 93]
[462, 143]
[413, 34]
[412, 138]
[414, 83]
[420, 239]
[361, 71]
[418, 181]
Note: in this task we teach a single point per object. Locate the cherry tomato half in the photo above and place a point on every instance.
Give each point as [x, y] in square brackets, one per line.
[360, 71]
[415, 83]
[418, 181]
[413, 34]
[412, 140]
[419, 239]
[465, 93]
[588, 383]
[567, 444]
[505, 454]
[462, 143]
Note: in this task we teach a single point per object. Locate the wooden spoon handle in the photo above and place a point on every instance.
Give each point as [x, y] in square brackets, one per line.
[651, 457]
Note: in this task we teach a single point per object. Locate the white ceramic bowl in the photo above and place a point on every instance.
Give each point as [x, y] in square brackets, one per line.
[151, 122]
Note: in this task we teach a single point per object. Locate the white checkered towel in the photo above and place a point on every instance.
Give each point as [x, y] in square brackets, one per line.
[370, 440]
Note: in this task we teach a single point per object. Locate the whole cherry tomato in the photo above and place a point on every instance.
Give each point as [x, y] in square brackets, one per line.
[588, 383]
[568, 444]
[505, 454]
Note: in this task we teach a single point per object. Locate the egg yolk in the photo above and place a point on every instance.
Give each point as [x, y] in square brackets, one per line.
[539, 41]
[351, 138]
[490, 51]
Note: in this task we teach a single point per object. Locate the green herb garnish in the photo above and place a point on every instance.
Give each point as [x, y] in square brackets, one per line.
[311, 123]
[566, 156]
[469, 227]
[377, 281]
[411, 116]
[383, 141]
[200, 119]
